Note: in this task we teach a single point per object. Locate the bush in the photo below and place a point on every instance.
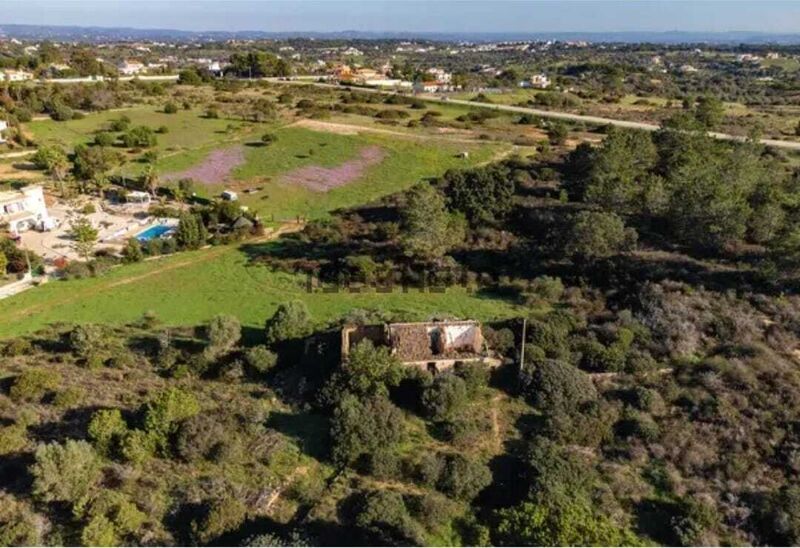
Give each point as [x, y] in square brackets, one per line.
[430, 509]
[132, 252]
[260, 359]
[13, 438]
[222, 515]
[444, 397]
[170, 108]
[111, 514]
[429, 469]
[104, 139]
[19, 526]
[69, 397]
[463, 478]
[290, 321]
[137, 446]
[164, 413]
[475, 375]
[559, 387]
[597, 235]
[32, 385]
[201, 436]
[106, 429]
[223, 332]
[383, 518]
[99, 532]
[87, 339]
[363, 426]
[62, 113]
[65, 473]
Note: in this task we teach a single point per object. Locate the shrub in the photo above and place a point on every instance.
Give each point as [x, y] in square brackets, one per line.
[200, 436]
[260, 359]
[475, 375]
[99, 532]
[222, 515]
[362, 426]
[19, 526]
[132, 252]
[383, 518]
[106, 429]
[69, 397]
[429, 469]
[112, 508]
[104, 139]
[33, 384]
[137, 446]
[170, 108]
[547, 288]
[164, 413]
[223, 332]
[444, 397]
[17, 347]
[430, 509]
[87, 339]
[65, 473]
[463, 478]
[597, 235]
[559, 387]
[120, 124]
[290, 321]
[13, 438]
[61, 113]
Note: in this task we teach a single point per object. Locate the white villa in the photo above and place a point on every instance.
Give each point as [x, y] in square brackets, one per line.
[539, 81]
[129, 68]
[16, 75]
[3, 127]
[24, 209]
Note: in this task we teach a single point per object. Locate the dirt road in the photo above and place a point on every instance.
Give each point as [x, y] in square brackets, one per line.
[567, 116]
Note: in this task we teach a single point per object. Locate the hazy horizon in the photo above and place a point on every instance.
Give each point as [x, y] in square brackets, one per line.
[409, 16]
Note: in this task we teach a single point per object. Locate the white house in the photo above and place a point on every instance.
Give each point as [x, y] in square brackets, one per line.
[3, 127]
[440, 75]
[539, 81]
[129, 68]
[24, 209]
[16, 75]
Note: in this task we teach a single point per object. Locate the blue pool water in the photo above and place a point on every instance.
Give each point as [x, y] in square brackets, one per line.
[153, 232]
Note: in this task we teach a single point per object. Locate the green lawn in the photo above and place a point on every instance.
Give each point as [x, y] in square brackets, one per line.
[220, 280]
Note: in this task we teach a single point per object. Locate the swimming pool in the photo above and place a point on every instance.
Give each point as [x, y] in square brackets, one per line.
[153, 232]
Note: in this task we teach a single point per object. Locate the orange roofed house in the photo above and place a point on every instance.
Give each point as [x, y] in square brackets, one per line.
[434, 346]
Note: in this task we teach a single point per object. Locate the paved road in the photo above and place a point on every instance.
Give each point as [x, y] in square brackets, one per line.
[594, 120]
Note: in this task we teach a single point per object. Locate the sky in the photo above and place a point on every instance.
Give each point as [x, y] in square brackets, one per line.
[413, 15]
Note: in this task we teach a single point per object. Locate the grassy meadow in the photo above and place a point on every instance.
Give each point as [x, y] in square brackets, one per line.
[189, 288]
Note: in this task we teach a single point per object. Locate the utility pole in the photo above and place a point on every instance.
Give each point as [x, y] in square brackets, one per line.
[522, 346]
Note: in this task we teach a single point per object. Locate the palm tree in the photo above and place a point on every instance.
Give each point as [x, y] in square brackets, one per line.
[151, 179]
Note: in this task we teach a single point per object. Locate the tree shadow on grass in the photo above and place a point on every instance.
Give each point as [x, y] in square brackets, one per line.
[309, 430]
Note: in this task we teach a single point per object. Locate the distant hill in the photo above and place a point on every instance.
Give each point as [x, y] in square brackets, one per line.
[99, 34]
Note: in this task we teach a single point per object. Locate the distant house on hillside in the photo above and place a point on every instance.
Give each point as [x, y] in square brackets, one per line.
[129, 68]
[433, 346]
[10, 75]
[538, 81]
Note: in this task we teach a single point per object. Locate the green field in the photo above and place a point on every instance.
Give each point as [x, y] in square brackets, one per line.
[189, 288]
[406, 162]
[191, 138]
